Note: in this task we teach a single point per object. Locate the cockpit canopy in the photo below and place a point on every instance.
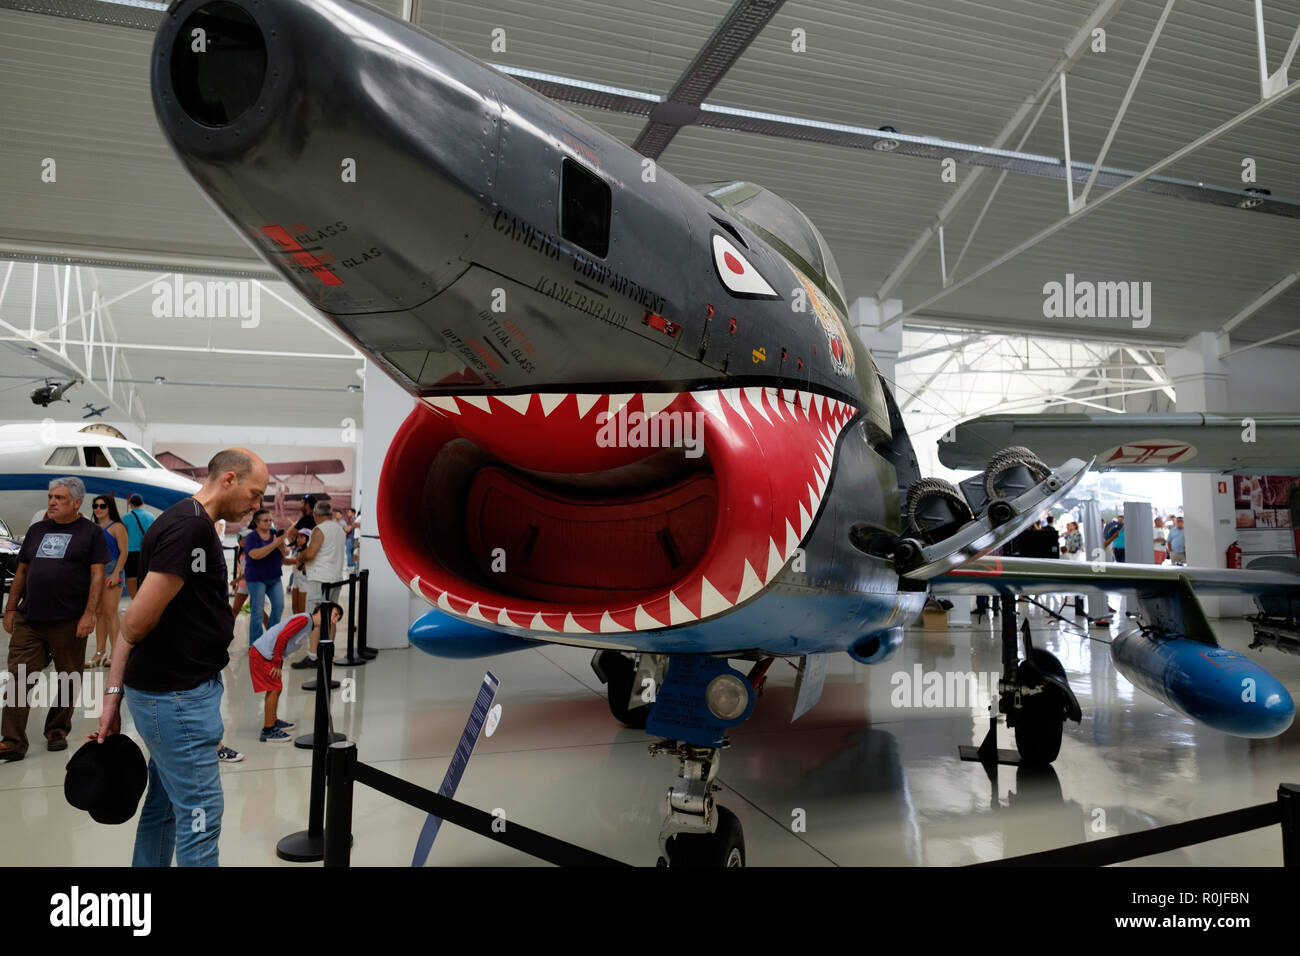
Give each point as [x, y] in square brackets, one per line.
[783, 225]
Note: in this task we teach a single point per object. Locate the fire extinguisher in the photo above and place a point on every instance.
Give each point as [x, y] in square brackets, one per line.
[1234, 555]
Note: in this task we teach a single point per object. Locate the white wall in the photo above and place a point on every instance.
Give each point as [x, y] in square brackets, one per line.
[393, 608]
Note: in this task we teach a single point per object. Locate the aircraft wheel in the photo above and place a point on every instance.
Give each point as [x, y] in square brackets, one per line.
[1039, 727]
[620, 672]
[724, 848]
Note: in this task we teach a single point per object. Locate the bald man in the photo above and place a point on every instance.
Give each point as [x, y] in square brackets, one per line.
[168, 663]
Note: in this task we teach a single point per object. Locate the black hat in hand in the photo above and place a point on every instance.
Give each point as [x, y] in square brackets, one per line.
[107, 779]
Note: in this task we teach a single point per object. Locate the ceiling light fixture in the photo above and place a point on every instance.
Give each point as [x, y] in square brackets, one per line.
[886, 144]
[1255, 197]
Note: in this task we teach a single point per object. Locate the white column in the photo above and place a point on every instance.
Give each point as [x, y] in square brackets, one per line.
[392, 607]
[1201, 380]
[867, 315]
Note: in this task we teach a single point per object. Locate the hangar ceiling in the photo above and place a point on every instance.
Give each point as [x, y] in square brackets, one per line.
[980, 74]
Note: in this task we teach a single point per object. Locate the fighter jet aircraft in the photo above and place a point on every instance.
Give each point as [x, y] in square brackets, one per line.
[642, 425]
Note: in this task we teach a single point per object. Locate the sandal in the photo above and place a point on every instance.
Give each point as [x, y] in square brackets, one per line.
[96, 660]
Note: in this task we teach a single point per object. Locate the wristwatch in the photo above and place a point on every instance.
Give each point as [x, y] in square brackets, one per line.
[112, 690]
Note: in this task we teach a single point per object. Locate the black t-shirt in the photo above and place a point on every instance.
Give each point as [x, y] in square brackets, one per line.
[58, 559]
[188, 645]
[306, 523]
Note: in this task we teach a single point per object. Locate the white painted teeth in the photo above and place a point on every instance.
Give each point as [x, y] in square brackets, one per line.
[655, 402]
[809, 403]
[518, 402]
[585, 402]
[756, 406]
[755, 396]
[617, 403]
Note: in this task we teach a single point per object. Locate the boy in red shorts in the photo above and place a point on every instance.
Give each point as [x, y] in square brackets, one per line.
[266, 658]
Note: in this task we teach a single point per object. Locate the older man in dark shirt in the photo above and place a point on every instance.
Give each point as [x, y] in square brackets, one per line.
[168, 664]
[51, 612]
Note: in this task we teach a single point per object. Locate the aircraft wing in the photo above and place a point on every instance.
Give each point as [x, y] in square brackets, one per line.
[1263, 443]
[1171, 651]
[994, 574]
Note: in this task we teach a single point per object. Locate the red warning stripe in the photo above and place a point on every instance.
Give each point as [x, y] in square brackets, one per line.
[300, 255]
[980, 568]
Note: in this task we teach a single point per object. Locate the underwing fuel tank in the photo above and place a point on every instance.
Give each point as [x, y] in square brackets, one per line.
[1221, 688]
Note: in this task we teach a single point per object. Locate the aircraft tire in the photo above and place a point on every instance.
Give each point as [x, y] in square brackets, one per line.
[723, 848]
[1006, 460]
[620, 672]
[1039, 727]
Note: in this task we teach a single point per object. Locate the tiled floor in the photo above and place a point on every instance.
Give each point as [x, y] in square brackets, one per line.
[873, 783]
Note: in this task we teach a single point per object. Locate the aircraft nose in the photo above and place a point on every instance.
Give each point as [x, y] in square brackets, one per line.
[355, 154]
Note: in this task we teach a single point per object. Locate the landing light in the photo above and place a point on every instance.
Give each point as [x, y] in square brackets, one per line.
[726, 696]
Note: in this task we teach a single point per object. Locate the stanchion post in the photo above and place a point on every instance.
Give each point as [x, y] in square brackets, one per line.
[363, 617]
[308, 846]
[352, 658]
[338, 809]
[320, 740]
[327, 634]
[1288, 797]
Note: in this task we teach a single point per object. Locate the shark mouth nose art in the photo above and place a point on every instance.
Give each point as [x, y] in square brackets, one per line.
[603, 513]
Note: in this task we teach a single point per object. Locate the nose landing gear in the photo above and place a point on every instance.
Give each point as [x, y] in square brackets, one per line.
[697, 832]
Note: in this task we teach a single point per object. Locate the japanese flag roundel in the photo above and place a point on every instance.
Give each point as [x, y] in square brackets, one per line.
[737, 273]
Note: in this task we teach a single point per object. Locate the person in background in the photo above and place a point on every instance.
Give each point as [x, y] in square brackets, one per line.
[137, 522]
[304, 526]
[51, 611]
[1161, 544]
[266, 664]
[1115, 538]
[352, 527]
[1072, 543]
[1178, 542]
[323, 559]
[294, 560]
[104, 510]
[265, 548]
[238, 582]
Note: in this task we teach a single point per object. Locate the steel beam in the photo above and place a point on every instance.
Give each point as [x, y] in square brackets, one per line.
[1221, 130]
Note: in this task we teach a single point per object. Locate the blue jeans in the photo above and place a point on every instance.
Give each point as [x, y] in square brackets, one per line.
[256, 591]
[183, 805]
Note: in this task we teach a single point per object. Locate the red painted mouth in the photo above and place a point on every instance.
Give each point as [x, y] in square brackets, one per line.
[598, 514]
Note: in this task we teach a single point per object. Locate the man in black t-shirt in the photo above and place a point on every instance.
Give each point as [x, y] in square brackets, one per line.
[168, 663]
[51, 612]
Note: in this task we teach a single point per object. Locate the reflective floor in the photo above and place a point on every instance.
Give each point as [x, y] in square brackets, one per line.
[866, 778]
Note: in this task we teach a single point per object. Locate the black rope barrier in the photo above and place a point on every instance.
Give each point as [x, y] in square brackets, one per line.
[1284, 810]
[344, 769]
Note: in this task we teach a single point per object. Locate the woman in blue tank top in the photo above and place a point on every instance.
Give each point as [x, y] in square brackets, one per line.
[107, 622]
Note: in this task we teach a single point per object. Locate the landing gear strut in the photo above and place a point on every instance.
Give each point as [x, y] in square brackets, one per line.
[1035, 696]
[697, 832]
